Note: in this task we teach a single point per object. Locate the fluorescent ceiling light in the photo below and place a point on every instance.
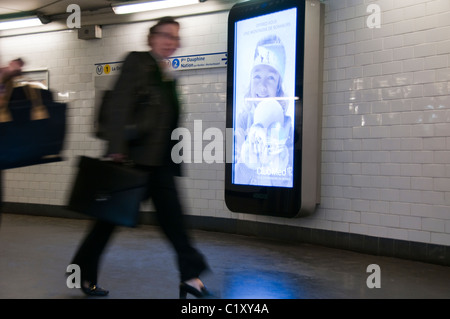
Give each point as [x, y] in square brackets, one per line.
[21, 23]
[148, 6]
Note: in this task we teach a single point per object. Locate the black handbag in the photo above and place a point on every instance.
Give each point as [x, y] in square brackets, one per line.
[32, 127]
[108, 191]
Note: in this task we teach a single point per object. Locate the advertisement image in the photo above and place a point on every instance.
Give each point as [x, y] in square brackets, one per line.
[264, 100]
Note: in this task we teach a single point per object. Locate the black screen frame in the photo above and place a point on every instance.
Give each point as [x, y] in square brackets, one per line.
[266, 200]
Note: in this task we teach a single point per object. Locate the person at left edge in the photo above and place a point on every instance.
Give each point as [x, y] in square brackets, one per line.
[14, 68]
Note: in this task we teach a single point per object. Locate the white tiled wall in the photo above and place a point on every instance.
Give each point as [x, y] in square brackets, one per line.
[385, 120]
[386, 114]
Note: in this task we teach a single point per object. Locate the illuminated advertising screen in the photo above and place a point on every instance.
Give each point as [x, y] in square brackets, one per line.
[265, 116]
[264, 99]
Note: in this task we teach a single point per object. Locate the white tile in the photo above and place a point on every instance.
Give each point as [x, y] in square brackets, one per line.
[386, 138]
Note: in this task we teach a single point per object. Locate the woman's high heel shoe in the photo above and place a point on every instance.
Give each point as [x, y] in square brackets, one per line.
[94, 290]
[90, 289]
[202, 293]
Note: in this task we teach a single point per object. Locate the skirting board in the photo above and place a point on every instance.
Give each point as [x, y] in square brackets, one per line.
[423, 252]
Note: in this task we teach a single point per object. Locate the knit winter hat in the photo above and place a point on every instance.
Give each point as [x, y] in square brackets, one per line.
[270, 51]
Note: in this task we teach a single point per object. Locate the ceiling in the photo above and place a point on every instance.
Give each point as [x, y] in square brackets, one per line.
[59, 7]
[56, 9]
[95, 12]
[51, 7]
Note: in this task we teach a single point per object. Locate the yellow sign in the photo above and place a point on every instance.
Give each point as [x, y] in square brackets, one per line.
[108, 68]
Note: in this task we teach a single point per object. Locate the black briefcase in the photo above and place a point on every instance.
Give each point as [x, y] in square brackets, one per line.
[32, 127]
[108, 191]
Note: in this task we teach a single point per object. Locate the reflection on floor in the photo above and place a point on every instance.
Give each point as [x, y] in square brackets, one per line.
[139, 263]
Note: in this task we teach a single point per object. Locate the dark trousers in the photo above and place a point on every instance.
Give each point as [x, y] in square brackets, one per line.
[163, 191]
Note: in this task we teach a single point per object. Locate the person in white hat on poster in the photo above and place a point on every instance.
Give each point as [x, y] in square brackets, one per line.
[263, 128]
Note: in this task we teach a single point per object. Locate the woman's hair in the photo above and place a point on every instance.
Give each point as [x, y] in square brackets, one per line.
[161, 22]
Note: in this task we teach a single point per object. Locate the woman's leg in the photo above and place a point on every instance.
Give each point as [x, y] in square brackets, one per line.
[89, 254]
[191, 262]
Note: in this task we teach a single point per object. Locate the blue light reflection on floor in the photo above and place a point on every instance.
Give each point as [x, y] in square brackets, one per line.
[253, 284]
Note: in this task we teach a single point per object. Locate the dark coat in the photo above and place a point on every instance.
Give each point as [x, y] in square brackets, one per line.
[143, 112]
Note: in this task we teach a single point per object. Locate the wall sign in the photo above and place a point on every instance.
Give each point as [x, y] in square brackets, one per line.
[198, 61]
[177, 63]
[108, 68]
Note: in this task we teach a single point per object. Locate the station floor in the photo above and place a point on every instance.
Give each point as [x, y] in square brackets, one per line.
[139, 264]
